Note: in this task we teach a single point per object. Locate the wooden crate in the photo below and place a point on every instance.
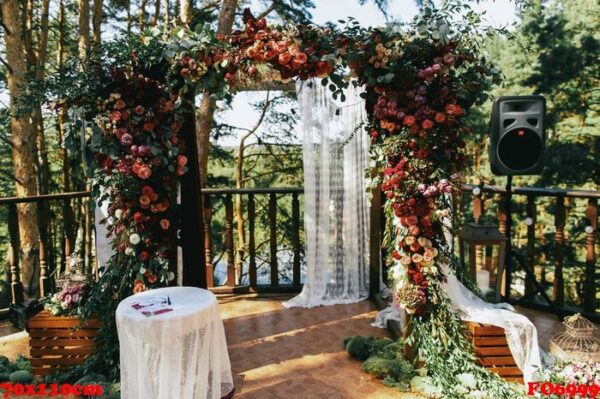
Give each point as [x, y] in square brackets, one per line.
[59, 342]
[492, 351]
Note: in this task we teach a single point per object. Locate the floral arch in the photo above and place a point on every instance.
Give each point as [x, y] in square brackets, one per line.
[420, 81]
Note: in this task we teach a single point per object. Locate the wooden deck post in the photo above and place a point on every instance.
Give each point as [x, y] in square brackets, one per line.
[375, 261]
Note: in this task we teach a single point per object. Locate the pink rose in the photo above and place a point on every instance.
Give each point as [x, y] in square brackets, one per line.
[417, 258]
[126, 139]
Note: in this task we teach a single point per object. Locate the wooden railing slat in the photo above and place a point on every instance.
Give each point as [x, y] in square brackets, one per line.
[531, 212]
[273, 238]
[296, 239]
[558, 287]
[229, 241]
[251, 240]
[210, 278]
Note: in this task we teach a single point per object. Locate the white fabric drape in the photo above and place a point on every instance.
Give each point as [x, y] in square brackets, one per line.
[336, 206]
[521, 333]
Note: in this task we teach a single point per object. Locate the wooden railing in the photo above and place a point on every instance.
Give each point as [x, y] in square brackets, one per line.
[569, 244]
[241, 258]
[273, 231]
[55, 241]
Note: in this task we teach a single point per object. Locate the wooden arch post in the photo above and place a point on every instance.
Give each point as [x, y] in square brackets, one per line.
[191, 236]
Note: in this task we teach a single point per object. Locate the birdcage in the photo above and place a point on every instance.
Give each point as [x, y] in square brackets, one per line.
[578, 342]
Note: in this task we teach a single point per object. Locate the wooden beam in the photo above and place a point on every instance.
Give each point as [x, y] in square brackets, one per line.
[191, 215]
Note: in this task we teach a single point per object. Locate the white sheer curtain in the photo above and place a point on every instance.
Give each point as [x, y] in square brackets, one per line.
[336, 207]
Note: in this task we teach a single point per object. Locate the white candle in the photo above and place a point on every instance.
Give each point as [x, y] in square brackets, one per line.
[483, 280]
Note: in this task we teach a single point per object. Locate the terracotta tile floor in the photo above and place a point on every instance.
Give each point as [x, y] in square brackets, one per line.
[298, 353]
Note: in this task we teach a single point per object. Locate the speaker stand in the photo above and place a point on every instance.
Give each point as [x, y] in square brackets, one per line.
[512, 257]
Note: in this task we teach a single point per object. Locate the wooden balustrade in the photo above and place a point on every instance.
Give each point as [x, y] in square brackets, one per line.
[270, 198]
[49, 257]
[533, 197]
[263, 210]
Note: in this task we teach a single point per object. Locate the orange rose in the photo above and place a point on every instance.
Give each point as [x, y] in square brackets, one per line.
[440, 117]
[284, 58]
[144, 172]
[165, 224]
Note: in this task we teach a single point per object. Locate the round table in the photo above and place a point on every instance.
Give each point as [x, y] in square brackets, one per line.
[178, 354]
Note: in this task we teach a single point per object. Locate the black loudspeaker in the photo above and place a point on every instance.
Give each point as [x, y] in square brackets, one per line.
[517, 136]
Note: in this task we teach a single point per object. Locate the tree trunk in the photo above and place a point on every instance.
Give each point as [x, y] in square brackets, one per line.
[186, 12]
[24, 145]
[156, 12]
[83, 7]
[142, 14]
[97, 23]
[167, 13]
[205, 114]
[38, 121]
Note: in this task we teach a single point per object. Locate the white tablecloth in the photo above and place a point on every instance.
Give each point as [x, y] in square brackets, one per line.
[181, 354]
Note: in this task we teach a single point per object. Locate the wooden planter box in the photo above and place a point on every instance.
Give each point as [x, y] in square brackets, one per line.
[492, 351]
[59, 342]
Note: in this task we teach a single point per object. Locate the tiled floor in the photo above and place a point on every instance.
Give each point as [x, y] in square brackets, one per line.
[298, 353]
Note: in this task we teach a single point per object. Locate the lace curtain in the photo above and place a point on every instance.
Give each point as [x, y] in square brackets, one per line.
[336, 207]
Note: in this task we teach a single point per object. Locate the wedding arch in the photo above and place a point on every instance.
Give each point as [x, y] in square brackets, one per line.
[419, 81]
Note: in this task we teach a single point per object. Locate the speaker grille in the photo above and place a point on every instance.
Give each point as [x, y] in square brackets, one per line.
[520, 149]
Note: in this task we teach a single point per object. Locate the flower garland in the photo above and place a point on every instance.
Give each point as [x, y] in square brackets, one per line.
[140, 156]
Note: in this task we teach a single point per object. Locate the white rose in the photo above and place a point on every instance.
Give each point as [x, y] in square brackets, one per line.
[171, 276]
[134, 239]
[110, 220]
[119, 213]
[467, 380]
[142, 270]
[128, 251]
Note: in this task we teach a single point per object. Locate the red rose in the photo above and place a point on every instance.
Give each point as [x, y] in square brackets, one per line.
[148, 126]
[427, 124]
[269, 55]
[144, 172]
[120, 104]
[115, 116]
[147, 191]
[144, 256]
[440, 117]
[139, 110]
[151, 278]
[144, 201]
[301, 58]
[138, 216]
[409, 120]
[181, 160]
[165, 224]
[412, 220]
